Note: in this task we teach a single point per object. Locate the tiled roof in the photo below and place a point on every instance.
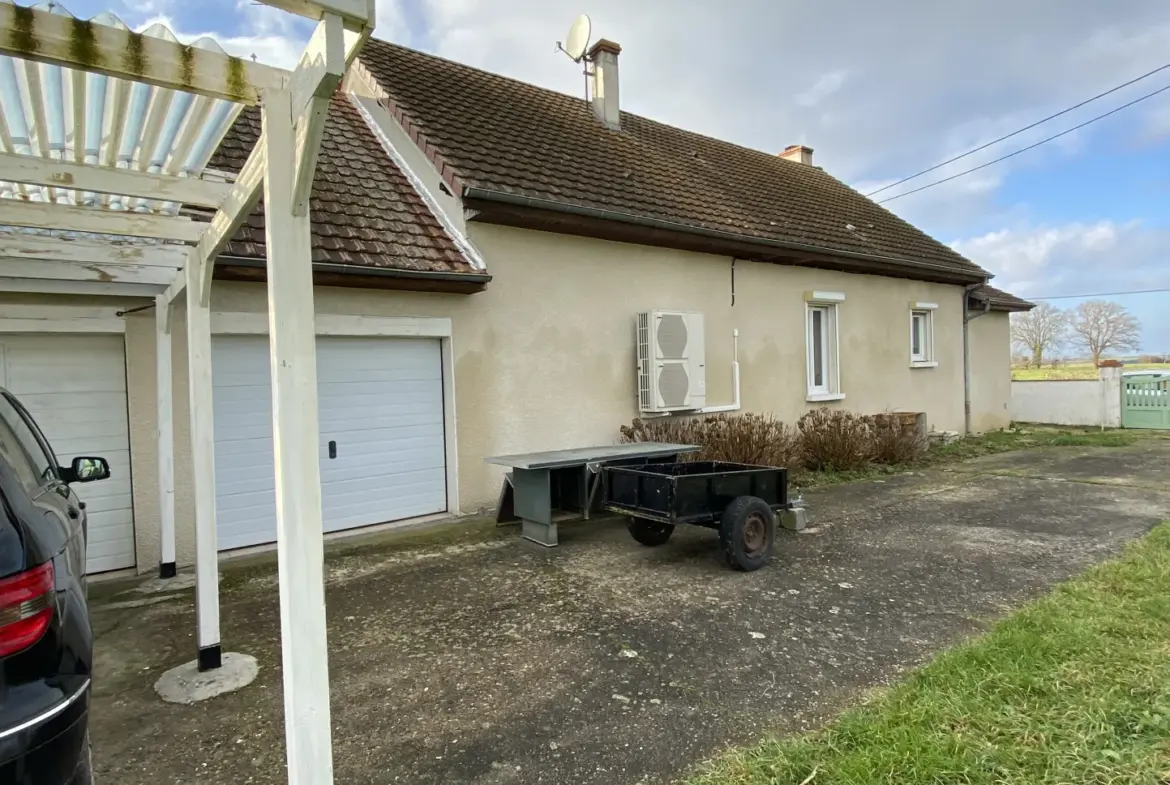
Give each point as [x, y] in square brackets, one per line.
[501, 135]
[364, 210]
[1003, 301]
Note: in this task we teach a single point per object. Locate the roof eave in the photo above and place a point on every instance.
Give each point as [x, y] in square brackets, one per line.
[1021, 306]
[736, 242]
[241, 268]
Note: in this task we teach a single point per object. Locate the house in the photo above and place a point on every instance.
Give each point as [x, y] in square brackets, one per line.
[482, 249]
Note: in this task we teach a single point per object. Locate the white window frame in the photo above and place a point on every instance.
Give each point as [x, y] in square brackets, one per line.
[827, 303]
[924, 358]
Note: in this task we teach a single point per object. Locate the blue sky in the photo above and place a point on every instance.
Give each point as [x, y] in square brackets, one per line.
[901, 86]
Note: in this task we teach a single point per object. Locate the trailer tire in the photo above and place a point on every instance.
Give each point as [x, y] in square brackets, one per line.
[649, 533]
[747, 532]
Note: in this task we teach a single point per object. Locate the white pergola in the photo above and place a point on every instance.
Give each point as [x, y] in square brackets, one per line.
[107, 133]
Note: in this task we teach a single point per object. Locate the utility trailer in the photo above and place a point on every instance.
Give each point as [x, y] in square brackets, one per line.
[739, 500]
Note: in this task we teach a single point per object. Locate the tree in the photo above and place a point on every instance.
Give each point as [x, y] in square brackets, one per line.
[1101, 326]
[1040, 330]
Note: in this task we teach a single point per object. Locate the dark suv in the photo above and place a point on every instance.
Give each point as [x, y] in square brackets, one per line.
[46, 644]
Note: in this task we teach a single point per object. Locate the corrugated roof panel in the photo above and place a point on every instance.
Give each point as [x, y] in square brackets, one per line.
[61, 114]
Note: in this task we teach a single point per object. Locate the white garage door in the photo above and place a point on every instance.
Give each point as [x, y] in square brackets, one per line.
[380, 405]
[75, 388]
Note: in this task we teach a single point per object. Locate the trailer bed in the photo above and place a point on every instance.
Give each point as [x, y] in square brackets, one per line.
[694, 492]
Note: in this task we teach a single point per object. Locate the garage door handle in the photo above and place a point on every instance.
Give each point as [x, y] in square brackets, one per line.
[332, 449]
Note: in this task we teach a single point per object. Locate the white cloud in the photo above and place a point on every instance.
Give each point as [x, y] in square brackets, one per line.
[1084, 258]
[822, 88]
[270, 48]
[1073, 258]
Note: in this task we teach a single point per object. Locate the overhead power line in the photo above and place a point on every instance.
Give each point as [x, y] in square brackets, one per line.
[1025, 149]
[1099, 294]
[1020, 131]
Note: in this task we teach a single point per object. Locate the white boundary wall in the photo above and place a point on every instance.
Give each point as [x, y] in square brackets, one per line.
[1087, 402]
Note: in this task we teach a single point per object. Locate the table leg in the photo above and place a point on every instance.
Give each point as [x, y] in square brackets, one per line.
[533, 503]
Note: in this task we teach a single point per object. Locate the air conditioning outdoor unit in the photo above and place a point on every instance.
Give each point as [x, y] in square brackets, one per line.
[672, 374]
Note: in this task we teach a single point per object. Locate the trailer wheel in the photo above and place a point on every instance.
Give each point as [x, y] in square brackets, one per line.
[747, 532]
[649, 533]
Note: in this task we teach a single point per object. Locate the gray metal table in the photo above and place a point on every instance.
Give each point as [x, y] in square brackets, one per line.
[566, 480]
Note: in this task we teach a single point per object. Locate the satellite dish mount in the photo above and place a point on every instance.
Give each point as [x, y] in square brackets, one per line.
[577, 44]
[577, 41]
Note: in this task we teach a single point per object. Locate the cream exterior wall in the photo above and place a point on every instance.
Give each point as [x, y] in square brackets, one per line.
[991, 371]
[545, 357]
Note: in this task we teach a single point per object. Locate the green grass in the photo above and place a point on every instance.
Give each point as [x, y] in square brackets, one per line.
[1074, 688]
[1023, 436]
[1076, 371]
[1019, 437]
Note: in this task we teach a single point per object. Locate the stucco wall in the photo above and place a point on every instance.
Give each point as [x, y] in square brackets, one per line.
[991, 372]
[1070, 402]
[545, 358]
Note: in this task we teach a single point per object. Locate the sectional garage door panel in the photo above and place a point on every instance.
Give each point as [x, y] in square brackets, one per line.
[245, 488]
[75, 388]
[380, 404]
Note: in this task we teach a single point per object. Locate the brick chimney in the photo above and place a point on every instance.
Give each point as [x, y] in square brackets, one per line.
[798, 153]
[604, 83]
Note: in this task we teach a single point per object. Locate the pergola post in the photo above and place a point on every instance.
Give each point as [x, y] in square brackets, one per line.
[294, 105]
[166, 438]
[296, 441]
[203, 473]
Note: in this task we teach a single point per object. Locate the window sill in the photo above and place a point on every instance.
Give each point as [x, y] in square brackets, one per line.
[819, 397]
[924, 364]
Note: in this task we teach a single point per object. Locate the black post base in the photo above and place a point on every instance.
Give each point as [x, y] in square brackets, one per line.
[210, 657]
[167, 570]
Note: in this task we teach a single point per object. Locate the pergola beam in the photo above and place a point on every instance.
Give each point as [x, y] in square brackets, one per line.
[320, 72]
[314, 80]
[108, 180]
[62, 40]
[354, 12]
[44, 215]
[87, 288]
[238, 205]
[86, 271]
[20, 245]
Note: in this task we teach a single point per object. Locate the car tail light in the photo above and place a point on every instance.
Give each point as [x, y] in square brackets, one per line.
[26, 608]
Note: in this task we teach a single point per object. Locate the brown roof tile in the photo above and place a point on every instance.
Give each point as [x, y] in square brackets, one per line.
[506, 136]
[1003, 301]
[364, 210]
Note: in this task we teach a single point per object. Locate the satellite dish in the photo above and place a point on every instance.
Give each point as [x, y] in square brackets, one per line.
[578, 39]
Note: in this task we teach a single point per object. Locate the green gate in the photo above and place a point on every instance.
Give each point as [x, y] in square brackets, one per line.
[1145, 401]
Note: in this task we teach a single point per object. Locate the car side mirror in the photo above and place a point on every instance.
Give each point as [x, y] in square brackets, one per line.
[88, 470]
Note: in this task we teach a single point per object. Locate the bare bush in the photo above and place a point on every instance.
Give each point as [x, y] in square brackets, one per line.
[836, 440]
[896, 441]
[741, 438]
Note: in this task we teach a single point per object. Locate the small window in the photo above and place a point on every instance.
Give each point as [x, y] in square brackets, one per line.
[922, 337]
[821, 336]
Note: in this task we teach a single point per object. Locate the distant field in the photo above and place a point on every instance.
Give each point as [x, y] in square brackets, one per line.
[1076, 371]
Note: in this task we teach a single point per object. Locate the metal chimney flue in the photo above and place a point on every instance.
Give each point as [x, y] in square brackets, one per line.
[604, 83]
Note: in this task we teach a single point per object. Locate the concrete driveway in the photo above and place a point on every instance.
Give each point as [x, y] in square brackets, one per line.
[465, 655]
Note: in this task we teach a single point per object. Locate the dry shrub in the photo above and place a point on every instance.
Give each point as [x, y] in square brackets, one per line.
[740, 438]
[897, 442]
[834, 440]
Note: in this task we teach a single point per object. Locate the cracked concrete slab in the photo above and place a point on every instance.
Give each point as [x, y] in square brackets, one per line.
[467, 655]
